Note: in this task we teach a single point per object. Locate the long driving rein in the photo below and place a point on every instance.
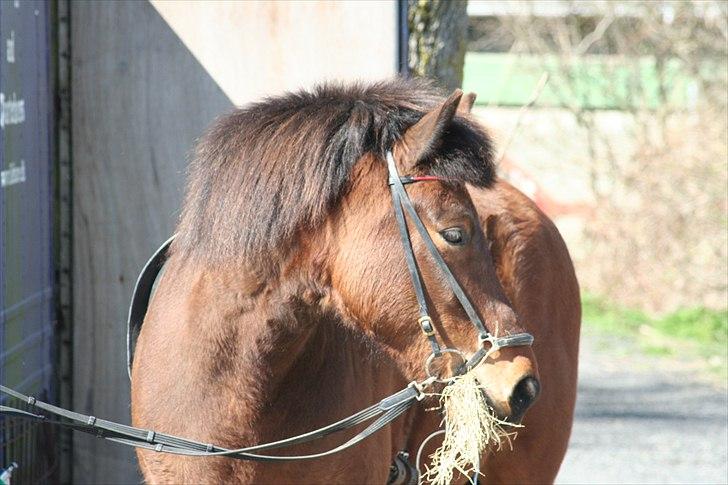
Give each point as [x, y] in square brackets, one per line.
[385, 411]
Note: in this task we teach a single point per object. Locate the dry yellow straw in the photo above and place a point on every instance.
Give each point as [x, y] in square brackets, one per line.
[471, 427]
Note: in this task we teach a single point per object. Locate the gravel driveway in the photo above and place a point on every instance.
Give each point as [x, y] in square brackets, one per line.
[641, 419]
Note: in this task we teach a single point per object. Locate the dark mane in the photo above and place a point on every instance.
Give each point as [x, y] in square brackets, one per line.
[263, 172]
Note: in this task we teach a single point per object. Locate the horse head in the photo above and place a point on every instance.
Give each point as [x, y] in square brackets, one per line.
[369, 279]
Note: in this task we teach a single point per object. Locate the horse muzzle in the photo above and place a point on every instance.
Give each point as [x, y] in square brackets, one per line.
[510, 382]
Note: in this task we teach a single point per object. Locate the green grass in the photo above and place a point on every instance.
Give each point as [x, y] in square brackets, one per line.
[696, 332]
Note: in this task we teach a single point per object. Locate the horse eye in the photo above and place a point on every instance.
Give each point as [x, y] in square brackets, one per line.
[453, 235]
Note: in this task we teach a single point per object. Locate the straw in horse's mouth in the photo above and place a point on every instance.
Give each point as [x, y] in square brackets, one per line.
[471, 428]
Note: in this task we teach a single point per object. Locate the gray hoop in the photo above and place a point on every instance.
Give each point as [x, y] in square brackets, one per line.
[431, 359]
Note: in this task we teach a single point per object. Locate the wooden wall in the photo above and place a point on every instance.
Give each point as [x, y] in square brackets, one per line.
[141, 92]
[139, 100]
[278, 46]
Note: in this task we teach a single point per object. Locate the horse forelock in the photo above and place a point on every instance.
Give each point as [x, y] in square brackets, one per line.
[272, 170]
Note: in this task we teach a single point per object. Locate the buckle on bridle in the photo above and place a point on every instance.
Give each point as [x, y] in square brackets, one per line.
[497, 343]
[420, 387]
[426, 325]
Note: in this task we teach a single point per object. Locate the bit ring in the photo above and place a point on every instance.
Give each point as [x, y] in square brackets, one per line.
[431, 359]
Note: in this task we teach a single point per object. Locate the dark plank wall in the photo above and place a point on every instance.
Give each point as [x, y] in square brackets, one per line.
[27, 318]
[139, 100]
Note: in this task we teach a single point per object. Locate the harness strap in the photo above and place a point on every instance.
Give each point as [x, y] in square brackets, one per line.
[388, 409]
[515, 340]
[403, 199]
[402, 472]
[140, 299]
[424, 320]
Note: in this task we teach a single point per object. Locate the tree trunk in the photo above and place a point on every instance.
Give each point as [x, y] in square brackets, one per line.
[437, 40]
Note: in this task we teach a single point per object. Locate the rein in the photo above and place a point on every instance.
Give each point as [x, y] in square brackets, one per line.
[385, 411]
[388, 409]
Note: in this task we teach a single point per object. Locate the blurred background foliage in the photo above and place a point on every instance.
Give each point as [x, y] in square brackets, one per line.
[626, 147]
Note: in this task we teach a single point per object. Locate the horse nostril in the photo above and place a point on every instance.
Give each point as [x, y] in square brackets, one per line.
[523, 395]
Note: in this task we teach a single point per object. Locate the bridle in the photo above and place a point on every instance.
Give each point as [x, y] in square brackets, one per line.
[385, 411]
[401, 200]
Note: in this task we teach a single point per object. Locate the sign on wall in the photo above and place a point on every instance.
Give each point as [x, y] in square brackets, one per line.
[26, 259]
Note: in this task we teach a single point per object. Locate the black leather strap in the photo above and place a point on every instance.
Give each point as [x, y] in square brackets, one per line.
[401, 197]
[140, 299]
[388, 409]
[424, 320]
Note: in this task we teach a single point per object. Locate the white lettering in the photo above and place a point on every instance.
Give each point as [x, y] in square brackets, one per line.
[12, 111]
[10, 48]
[13, 175]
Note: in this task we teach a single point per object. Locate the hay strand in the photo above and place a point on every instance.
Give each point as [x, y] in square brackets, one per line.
[471, 427]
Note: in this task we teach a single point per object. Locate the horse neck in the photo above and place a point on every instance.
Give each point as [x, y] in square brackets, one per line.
[277, 357]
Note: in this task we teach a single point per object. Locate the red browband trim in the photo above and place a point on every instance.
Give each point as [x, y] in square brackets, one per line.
[425, 178]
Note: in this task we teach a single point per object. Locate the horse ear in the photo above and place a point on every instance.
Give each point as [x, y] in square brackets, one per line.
[466, 103]
[422, 138]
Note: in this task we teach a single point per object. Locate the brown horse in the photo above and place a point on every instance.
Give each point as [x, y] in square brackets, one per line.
[286, 303]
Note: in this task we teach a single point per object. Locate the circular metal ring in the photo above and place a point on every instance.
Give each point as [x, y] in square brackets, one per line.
[431, 359]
